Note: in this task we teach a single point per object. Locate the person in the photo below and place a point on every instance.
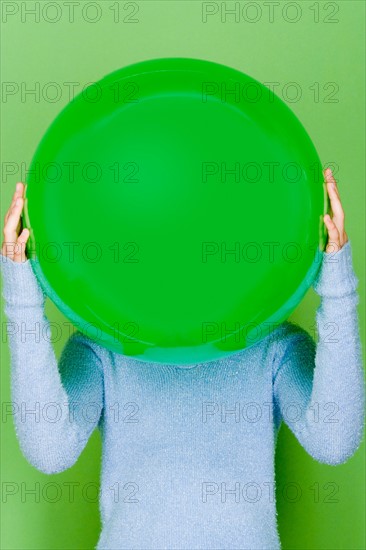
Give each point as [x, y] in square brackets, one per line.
[187, 451]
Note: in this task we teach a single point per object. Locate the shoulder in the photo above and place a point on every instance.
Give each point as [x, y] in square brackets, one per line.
[79, 342]
[287, 330]
[287, 341]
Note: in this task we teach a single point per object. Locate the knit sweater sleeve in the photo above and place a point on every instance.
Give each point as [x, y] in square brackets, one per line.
[319, 387]
[55, 404]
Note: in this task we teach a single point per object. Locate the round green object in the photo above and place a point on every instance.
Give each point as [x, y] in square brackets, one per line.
[175, 210]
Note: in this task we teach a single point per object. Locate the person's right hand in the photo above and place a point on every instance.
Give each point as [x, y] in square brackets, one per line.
[15, 236]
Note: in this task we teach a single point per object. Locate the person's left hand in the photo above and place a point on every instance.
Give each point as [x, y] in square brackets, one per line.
[337, 236]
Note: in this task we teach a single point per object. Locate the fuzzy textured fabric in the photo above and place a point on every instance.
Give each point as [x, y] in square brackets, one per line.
[188, 451]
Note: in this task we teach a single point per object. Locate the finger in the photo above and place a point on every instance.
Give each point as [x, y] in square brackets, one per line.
[333, 244]
[20, 246]
[19, 192]
[338, 216]
[334, 197]
[331, 184]
[10, 228]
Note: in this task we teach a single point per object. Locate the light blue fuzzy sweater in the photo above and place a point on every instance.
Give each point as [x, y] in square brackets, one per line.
[188, 451]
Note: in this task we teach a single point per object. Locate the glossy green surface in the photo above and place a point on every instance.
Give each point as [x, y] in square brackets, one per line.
[175, 211]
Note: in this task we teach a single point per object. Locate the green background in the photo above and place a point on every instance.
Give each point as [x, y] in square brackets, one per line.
[322, 53]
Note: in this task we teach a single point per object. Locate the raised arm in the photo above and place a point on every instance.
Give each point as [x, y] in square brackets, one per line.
[319, 388]
[55, 405]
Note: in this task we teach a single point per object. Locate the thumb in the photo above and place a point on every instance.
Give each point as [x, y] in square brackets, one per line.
[19, 249]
